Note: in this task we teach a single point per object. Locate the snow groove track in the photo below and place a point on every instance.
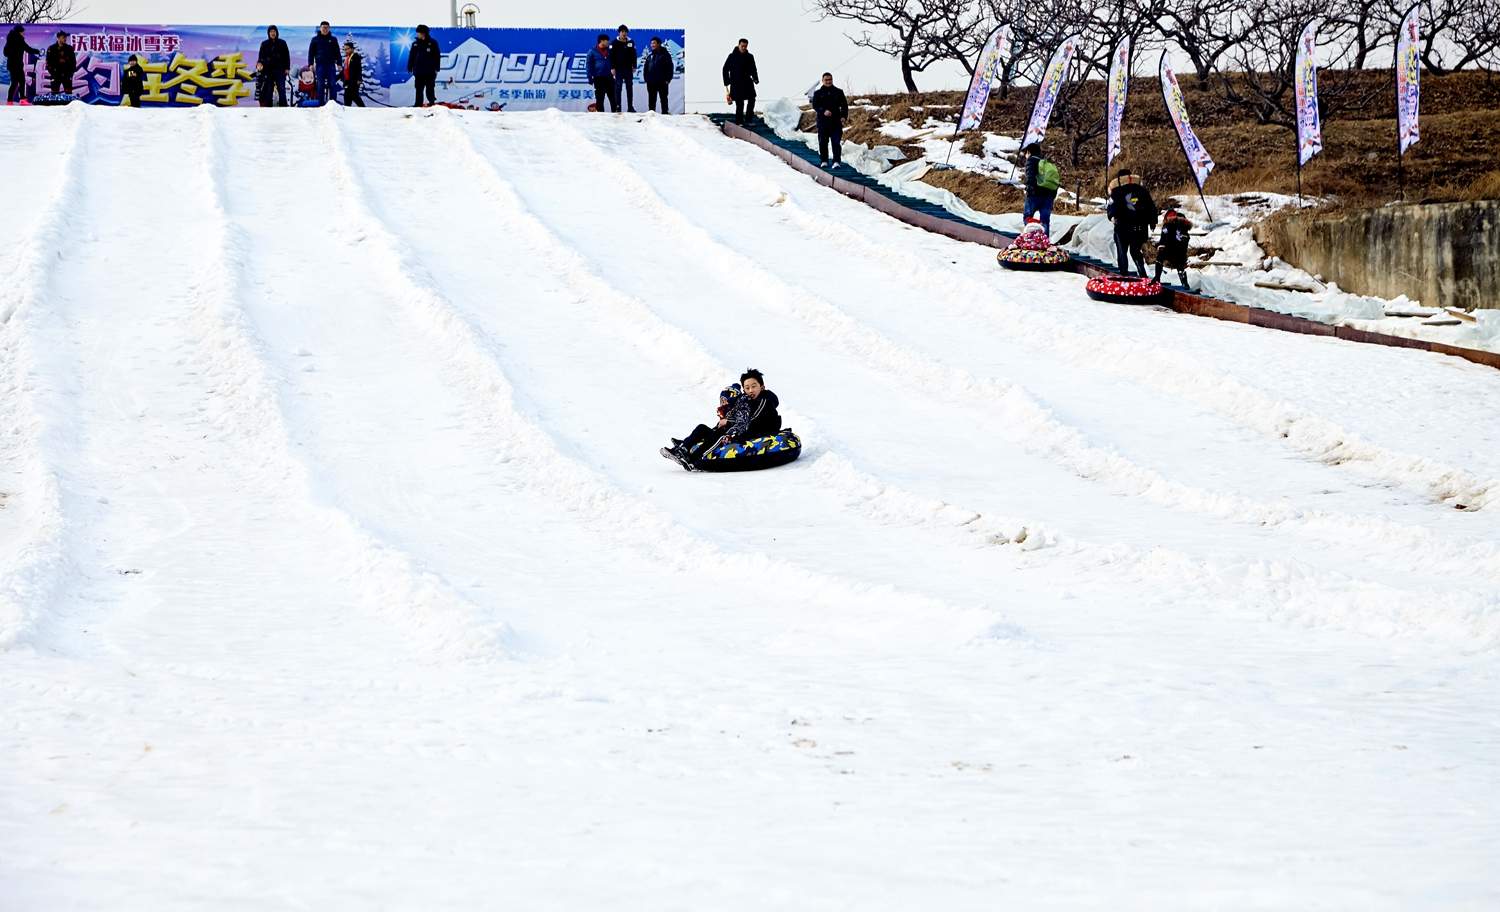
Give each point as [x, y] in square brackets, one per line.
[338, 568]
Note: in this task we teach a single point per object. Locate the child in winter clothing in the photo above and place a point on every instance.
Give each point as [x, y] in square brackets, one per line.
[734, 420]
[1171, 250]
[133, 81]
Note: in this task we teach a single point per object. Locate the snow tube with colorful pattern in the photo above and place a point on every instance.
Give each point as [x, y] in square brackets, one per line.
[760, 453]
[1033, 250]
[1123, 289]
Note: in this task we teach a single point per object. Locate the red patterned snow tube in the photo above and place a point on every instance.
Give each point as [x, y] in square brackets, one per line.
[1123, 289]
[1032, 250]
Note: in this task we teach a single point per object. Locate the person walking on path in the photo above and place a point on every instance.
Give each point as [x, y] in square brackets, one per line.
[423, 62]
[832, 109]
[1172, 250]
[275, 62]
[622, 59]
[61, 64]
[323, 56]
[602, 76]
[354, 75]
[1134, 214]
[133, 81]
[1042, 180]
[740, 80]
[16, 50]
[658, 72]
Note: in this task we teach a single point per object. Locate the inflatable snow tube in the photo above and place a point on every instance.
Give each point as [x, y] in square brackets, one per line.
[760, 453]
[1020, 258]
[60, 99]
[1124, 289]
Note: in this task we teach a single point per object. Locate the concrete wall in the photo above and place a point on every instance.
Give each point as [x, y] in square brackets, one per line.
[1443, 254]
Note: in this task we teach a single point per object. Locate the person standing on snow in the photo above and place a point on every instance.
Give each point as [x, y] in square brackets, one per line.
[1134, 214]
[323, 56]
[658, 71]
[602, 75]
[354, 75]
[1042, 181]
[16, 50]
[133, 81]
[832, 109]
[740, 80]
[423, 62]
[622, 59]
[1172, 251]
[61, 64]
[274, 62]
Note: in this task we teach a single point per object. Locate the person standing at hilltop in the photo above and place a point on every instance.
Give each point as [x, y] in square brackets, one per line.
[423, 62]
[354, 75]
[740, 80]
[61, 64]
[659, 70]
[832, 109]
[602, 76]
[275, 61]
[324, 57]
[622, 59]
[16, 50]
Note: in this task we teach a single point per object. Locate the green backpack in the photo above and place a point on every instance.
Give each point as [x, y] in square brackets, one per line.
[1047, 175]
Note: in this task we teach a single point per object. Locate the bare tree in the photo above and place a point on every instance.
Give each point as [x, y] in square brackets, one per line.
[918, 33]
[1459, 33]
[35, 10]
[1205, 30]
[1361, 28]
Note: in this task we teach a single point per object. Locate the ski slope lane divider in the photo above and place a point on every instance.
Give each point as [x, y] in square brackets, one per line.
[35, 408]
[521, 441]
[1310, 434]
[444, 624]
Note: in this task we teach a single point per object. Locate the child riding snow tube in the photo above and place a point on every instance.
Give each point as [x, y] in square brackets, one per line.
[1033, 250]
[1124, 289]
[761, 453]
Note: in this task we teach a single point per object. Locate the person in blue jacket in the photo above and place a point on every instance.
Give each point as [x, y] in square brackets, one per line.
[602, 75]
[324, 58]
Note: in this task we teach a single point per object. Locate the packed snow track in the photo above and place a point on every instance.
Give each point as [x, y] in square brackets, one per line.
[338, 567]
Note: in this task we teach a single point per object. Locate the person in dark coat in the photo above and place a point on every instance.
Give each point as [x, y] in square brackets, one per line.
[61, 64]
[765, 420]
[740, 80]
[275, 61]
[324, 58]
[832, 109]
[622, 59]
[658, 71]
[1039, 194]
[1134, 214]
[1172, 250]
[133, 81]
[423, 63]
[602, 75]
[354, 75]
[747, 410]
[16, 50]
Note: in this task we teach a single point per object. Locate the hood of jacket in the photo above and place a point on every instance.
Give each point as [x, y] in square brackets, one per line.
[1122, 181]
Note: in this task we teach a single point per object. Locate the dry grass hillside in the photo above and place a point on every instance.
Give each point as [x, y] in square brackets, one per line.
[1458, 157]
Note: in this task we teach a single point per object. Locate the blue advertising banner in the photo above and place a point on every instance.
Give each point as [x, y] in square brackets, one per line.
[483, 69]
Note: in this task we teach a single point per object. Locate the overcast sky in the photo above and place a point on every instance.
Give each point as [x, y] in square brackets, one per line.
[791, 48]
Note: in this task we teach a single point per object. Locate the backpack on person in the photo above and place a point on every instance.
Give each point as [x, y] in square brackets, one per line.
[1048, 177]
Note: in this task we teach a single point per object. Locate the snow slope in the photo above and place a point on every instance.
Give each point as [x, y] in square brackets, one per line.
[338, 568]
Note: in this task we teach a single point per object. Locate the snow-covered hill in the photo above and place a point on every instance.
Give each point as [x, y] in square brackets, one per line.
[338, 568]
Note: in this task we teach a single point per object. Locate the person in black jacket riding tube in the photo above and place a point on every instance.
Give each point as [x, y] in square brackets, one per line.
[16, 50]
[832, 109]
[423, 62]
[659, 70]
[747, 410]
[740, 80]
[324, 58]
[275, 62]
[622, 59]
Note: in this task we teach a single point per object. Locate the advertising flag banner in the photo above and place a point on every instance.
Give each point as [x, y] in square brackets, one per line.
[1119, 86]
[1198, 158]
[996, 49]
[1309, 123]
[1408, 79]
[1046, 91]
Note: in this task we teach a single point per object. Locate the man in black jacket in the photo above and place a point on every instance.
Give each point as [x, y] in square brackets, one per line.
[324, 58]
[1134, 214]
[832, 109]
[659, 70]
[423, 63]
[61, 64]
[16, 50]
[133, 82]
[622, 59]
[764, 419]
[740, 79]
[275, 62]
